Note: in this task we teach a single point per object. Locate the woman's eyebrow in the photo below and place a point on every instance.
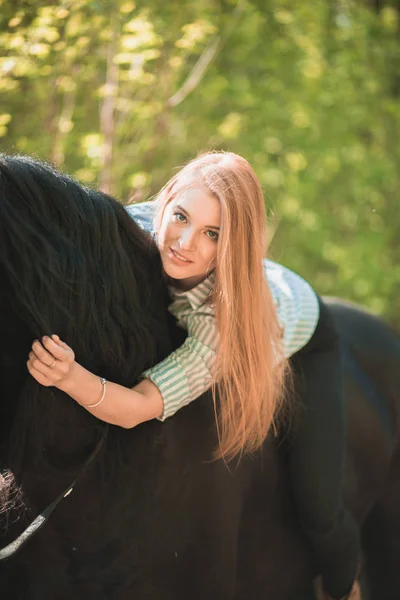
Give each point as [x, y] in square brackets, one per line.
[178, 206]
[182, 209]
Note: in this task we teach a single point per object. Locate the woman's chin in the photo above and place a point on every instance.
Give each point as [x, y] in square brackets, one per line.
[174, 270]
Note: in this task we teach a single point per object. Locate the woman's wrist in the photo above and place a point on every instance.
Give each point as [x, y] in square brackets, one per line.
[73, 381]
[84, 387]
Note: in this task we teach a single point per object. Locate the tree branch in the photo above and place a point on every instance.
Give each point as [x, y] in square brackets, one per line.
[204, 61]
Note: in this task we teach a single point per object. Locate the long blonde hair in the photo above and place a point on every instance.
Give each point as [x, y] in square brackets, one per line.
[249, 387]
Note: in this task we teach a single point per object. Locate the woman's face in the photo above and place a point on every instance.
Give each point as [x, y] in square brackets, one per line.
[188, 236]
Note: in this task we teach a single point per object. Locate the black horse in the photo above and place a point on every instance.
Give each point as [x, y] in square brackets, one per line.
[151, 516]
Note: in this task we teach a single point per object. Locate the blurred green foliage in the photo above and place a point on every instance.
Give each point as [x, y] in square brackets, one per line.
[119, 93]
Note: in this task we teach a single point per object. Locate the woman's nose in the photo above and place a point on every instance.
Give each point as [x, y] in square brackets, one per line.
[187, 240]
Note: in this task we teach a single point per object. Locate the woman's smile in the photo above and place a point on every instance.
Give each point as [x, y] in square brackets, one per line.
[178, 258]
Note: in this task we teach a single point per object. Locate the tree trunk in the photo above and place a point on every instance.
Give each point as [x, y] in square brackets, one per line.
[107, 110]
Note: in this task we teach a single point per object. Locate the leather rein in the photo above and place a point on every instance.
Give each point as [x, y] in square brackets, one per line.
[43, 517]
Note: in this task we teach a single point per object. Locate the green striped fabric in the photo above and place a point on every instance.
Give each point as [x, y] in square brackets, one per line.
[188, 372]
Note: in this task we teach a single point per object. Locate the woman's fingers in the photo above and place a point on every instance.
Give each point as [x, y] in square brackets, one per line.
[53, 373]
[42, 354]
[36, 374]
[50, 361]
[60, 352]
[38, 364]
[57, 340]
[39, 367]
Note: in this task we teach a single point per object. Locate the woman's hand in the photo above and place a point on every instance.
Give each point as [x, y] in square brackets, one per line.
[51, 362]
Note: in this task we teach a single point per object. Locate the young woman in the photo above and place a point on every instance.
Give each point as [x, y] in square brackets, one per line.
[244, 316]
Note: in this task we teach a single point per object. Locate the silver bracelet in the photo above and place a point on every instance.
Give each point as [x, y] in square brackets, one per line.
[104, 384]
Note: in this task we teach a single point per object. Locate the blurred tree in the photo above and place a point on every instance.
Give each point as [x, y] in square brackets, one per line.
[120, 92]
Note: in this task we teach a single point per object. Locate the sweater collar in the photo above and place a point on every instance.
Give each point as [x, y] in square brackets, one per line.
[197, 295]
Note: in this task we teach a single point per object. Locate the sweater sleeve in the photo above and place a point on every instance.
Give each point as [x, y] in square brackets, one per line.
[143, 214]
[296, 304]
[188, 372]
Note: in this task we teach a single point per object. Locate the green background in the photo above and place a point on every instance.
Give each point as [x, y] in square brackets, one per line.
[119, 94]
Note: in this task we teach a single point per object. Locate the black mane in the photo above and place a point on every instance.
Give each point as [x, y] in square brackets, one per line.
[72, 262]
[89, 266]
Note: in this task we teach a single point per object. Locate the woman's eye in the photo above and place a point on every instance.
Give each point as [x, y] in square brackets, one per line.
[180, 217]
[213, 235]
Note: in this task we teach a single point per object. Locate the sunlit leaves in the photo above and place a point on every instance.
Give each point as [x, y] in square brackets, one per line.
[127, 7]
[308, 92]
[5, 118]
[284, 16]
[91, 144]
[194, 34]
[139, 180]
[231, 126]
[296, 161]
[390, 18]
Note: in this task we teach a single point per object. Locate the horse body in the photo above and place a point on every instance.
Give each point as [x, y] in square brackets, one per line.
[153, 517]
[154, 520]
[371, 352]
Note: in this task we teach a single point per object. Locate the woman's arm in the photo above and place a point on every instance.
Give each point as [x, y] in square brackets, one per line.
[52, 363]
[189, 371]
[166, 388]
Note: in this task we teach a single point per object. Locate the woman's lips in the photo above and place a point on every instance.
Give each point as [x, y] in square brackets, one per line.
[178, 258]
